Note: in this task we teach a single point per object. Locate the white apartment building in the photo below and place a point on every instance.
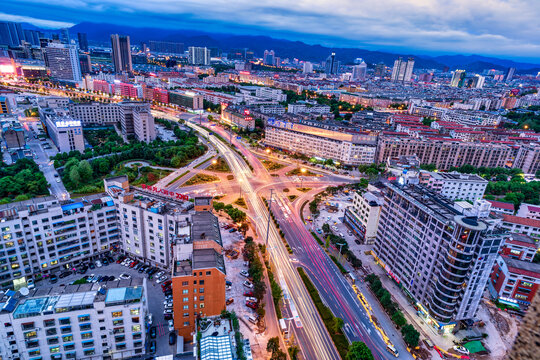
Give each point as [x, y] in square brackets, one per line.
[308, 109]
[96, 113]
[136, 119]
[42, 236]
[312, 139]
[521, 225]
[363, 216]
[455, 185]
[87, 321]
[529, 211]
[272, 94]
[64, 131]
[148, 222]
[472, 117]
[272, 109]
[440, 256]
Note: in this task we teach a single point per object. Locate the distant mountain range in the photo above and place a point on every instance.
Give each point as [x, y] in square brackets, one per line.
[99, 33]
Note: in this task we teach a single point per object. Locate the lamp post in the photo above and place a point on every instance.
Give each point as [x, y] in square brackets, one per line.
[302, 172]
[269, 212]
[340, 247]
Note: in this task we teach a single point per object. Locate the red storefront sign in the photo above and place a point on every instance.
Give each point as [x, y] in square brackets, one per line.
[175, 195]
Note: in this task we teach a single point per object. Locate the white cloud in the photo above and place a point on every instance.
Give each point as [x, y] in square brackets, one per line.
[49, 24]
[503, 27]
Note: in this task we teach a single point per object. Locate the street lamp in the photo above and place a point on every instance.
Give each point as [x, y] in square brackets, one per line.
[214, 162]
[302, 172]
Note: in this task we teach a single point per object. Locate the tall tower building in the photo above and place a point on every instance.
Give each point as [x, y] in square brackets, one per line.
[63, 61]
[331, 67]
[121, 53]
[199, 55]
[402, 71]
[441, 256]
[359, 72]
[269, 57]
[64, 36]
[83, 41]
[380, 69]
[308, 68]
[11, 33]
[458, 78]
[510, 74]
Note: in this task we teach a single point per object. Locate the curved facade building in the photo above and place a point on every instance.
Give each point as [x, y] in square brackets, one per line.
[439, 256]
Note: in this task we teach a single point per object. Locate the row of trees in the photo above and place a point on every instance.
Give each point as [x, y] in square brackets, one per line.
[21, 181]
[410, 335]
[524, 120]
[345, 251]
[236, 215]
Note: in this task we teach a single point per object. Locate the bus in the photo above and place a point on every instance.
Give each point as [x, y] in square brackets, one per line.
[392, 350]
[283, 328]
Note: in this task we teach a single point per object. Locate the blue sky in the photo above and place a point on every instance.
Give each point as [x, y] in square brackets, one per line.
[504, 28]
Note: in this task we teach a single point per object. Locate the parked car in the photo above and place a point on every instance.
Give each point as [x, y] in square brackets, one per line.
[167, 311]
[248, 284]
[30, 284]
[138, 266]
[91, 266]
[161, 273]
[171, 325]
[152, 347]
[357, 241]
[172, 338]
[64, 274]
[53, 278]
[143, 268]
[227, 282]
[98, 263]
[461, 349]
[111, 278]
[228, 287]
[167, 302]
[166, 284]
[244, 273]
[248, 293]
[229, 301]
[168, 292]
[251, 299]
[83, 269]
[125, 276]
[233, 230]
[120, 259]
[153, 332]
[161, 279]
[251, 304]
[105, 262]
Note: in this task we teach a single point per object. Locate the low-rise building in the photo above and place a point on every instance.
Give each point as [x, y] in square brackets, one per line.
[517, 224]
[136, 119]
[187, 99]
[529, 211]
[454, 185]
[520, 247]
[64, 131]
[502, 207]
[96, 113]
[363, 216]
[321, 141]
[87, 321]
[237, 117]
[515, 281]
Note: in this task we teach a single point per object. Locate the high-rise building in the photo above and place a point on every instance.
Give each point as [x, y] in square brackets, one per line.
[166, 47]
[510, 74]
[269, 57]
[441, 256]
[380, 69]
[199, 55]
[402, 71]
[331, 66]
[359, 72]
[83, 41]
[86, 64]
[308, 68]
[198, 279]
[136, 119]
[11, 33]
[32, 36]
[458, 78]
[477, 82]
[64, 36]
[63, 62]
[121, 53]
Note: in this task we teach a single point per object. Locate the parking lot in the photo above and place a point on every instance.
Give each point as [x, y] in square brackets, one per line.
[155, 299]
[235, 264]
[335, 219]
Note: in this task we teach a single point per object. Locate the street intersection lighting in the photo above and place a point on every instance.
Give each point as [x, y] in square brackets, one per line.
[214, 162]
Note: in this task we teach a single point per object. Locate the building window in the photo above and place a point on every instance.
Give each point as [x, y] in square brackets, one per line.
[66, 338]
[86, 326]
[116, 314]
[48, 323]
[84, 318]
[89, 352]
[54, 349]
[27, 326]
[134, 311]
[118, 322]
[70, 346]
[86, 335]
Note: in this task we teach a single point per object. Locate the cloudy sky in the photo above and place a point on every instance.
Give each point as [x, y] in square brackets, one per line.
[505, 28]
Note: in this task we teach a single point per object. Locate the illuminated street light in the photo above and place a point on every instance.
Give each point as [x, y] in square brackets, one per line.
[214, 162]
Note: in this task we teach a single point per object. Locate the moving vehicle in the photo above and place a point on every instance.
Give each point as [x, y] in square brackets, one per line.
[392, 350]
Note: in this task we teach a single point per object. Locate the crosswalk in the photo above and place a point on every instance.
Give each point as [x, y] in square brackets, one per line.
[162, 329]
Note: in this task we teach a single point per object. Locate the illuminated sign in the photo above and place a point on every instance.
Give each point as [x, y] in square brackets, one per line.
[68, 123]
[175, 195]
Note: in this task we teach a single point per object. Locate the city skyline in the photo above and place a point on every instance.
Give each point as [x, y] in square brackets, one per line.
[443, 28]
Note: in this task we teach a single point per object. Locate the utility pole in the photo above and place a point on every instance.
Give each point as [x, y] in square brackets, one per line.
[340, 247]
[269, 212]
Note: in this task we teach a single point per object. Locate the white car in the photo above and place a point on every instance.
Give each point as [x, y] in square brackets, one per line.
[160, 274]
[30, 284]
[171, 325]
[244, 273]
[124, 276]
[461, 349]
[252, 299]
[98, 263]
[161, 279]
[248, 284]
[167, 303]
[228, 287]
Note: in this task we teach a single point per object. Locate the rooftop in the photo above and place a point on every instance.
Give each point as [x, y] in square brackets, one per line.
[522, 265]
[458, 176]
[205, 227]
[521, 220]
[502, 205]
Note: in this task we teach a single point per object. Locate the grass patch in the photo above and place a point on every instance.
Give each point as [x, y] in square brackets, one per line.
[177, 178]
[272, 165]
[150, 176]
[201, 179]
[338, 264]
[299, 172]
[230, 177]
[304, 189]
[241, 202]
[292, 197]
[274, 175]
[339, 339]
[219, 166]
